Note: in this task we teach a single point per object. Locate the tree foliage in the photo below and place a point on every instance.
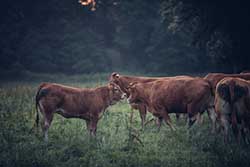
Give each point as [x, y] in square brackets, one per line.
[219, 27]
[64, 36]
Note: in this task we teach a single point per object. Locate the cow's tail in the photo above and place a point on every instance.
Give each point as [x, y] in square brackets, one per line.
[211, 96]
[231, 92]
[37, 99]
[212, 90]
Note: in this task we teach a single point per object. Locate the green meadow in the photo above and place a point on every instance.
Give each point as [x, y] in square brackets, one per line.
[120, 141]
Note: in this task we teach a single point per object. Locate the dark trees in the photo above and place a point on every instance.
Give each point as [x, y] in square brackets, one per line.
[221, 27]
[63, 36]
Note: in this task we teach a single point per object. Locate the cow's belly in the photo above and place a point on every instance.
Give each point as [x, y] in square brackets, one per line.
[169, 107]
[175, 106]
[71, 114]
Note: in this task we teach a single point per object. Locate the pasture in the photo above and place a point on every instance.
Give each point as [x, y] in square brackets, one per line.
[119, 141]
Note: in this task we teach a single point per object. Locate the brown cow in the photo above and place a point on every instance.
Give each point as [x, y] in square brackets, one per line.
[176, 95]
[70, 102]
[124, 80]
[214, 78]
[232, 105]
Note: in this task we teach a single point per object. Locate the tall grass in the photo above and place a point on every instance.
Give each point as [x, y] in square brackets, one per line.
[118, 142]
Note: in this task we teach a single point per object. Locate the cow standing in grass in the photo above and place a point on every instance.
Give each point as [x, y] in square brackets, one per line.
[214, 79]
[232, 105]
[176, 95]
[124, 80]
[70, 102]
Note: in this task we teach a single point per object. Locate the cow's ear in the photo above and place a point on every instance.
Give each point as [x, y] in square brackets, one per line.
[132, 84]
[112, 85]
[115, 75]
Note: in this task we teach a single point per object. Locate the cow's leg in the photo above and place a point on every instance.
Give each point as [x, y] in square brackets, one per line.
[143, 112]
[91, 126]
[88, 125]
[236, 132]
[193, 110]
[47, 112]
[212, 116]
[168, 121]
[191, 114]
[158, 122]
[225, 126]
[244, 132]
[48, 117]
[236, 125]
[177, 115]
[245, 129]
[185, 117]
[199, 118]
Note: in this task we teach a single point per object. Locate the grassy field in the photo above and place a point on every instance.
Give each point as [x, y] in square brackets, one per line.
[115, 144]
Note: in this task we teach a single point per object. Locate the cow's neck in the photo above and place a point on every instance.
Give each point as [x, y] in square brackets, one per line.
[145, 96]
[104, 93]
[127, 79]
[124, 83]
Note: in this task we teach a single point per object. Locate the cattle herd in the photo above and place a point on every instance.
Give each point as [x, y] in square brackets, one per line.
[224, 97]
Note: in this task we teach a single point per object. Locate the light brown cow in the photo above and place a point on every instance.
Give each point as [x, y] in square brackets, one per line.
[176, 95]
[124, 80]
[232, 105]
[70, 102]
[214, 78]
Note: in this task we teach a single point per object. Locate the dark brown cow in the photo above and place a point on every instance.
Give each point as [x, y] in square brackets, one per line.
[176, 95]
[70, 102]
[123, 81]
[232, 105]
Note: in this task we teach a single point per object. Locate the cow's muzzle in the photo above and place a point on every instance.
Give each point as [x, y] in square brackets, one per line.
[129, 100]
[123, 96]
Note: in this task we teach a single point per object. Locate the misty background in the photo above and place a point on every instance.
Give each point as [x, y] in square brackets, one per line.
[161, 36]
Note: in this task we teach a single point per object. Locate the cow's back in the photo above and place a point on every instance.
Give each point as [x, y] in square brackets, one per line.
[179, 92]
[215, 78]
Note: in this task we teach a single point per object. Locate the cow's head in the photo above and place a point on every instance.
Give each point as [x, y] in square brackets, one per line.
[115, 93]
[119, 80]
[133, 91]
[114, 78]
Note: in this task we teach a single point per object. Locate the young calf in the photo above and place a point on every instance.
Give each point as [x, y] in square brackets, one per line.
[70, 102]
[232, 105]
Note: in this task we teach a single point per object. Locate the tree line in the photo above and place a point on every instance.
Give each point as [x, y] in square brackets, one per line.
[165, 36]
